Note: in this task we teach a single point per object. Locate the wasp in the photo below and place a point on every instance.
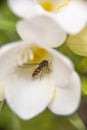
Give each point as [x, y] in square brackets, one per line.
[43, 66]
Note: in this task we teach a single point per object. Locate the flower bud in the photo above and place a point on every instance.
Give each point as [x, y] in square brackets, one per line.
[78, 43]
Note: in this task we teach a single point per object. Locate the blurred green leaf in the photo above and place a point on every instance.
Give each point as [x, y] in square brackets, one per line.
[84, 86]
[7, 25]
[2, 105]
[48, 121]
[5, 12]
[82, 66]
[8, 36]
[77, 122]
[44, 121]
[8, 120]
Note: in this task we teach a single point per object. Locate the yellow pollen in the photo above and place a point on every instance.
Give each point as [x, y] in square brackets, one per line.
[47, 6]
[39, 54]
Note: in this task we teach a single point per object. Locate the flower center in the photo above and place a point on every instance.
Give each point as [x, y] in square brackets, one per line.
[47, 6]
[33, 54]
[39, 54]
[53, 5]
[40, 61]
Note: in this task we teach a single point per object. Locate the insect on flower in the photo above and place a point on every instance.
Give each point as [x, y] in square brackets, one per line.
[43, 66]
[28, 94]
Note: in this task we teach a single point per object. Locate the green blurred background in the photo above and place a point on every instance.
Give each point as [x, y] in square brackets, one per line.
[46, 120]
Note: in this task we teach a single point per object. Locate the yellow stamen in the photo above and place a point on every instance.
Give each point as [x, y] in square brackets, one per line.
[52, 6]
[63, 4]
[39, 54]
[47, 6]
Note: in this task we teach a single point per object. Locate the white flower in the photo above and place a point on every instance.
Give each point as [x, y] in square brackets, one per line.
[58, 89]
[42, 29]
[70, 14]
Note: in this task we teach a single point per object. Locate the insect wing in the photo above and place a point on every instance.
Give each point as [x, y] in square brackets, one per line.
[26, 65]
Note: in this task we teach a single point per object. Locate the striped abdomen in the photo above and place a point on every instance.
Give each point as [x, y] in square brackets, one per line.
[39, 69]
[37, 72]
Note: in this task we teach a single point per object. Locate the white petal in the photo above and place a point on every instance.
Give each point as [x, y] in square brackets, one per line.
[10, 57]
[73, 17]
[86, 15]
[27, 97]
[66, 100]
[64, 58]
[25, 8]
[7, 47]
[43, 29]
[62, 69]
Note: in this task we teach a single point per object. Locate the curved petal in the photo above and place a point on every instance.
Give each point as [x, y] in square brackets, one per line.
[66, 100]
[25, 8]
[10, 56]
[43, 29]
[61, 68]
[8, 46]
[63, 58]
[28, 97]
[73, 16]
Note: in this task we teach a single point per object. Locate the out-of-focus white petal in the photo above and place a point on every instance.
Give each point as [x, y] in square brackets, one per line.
[10, 57]
[73, 16]
[43, 29]
[5, 48]
[64, 58]
[66, 100]
[27, 97]
[25, 8]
